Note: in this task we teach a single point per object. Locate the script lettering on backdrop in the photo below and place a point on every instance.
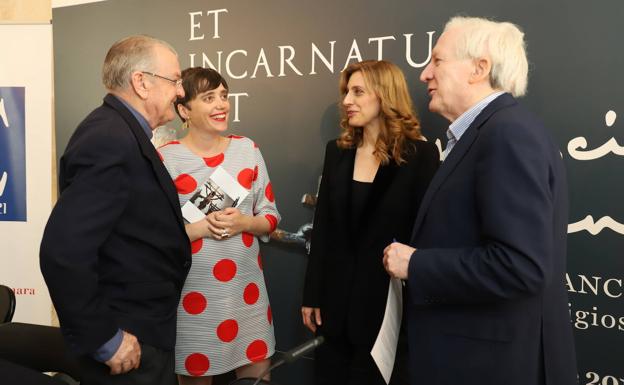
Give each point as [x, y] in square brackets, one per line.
[587, 316]
[576, 149]
[593, 317]
[593, 287]
[594, 227]
[253, 64]
[611, 146]
[592, 309]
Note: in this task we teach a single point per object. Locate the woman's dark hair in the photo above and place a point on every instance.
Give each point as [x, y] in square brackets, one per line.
[196, 80]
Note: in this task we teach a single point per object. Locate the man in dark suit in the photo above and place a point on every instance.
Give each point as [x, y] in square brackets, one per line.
[115, 253]
[485, 269]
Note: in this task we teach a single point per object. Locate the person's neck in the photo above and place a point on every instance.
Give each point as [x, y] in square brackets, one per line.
[472, 99]
[135, 102]
[370, 133]
[203, 143]
[482, 94]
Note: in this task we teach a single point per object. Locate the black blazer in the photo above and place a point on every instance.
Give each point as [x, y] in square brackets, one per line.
[345, 275]
[488, 304]
[114, 253]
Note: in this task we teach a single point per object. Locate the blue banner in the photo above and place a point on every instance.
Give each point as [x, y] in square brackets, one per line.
[12, 154]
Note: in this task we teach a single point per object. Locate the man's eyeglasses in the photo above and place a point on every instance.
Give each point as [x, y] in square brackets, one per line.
[177, 83]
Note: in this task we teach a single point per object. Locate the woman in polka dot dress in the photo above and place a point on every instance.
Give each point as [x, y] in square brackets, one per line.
[224, 317]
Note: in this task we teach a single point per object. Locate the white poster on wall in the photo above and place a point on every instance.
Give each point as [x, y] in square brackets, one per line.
[25, 164]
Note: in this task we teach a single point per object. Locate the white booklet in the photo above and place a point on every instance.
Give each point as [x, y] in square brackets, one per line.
[221, 190]
[384, 349]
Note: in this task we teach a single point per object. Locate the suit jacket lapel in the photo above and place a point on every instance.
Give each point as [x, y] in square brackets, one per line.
[344, 177]
[457, 154]
[149, 152]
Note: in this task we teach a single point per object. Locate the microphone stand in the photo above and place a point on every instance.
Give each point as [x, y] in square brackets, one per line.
[292, 355]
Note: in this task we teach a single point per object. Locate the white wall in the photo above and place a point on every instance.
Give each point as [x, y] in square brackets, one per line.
[67, 3]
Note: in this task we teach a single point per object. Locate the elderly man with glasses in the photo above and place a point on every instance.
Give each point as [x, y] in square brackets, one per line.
[115, 253]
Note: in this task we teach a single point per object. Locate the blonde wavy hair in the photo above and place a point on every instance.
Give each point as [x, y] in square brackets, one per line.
[398, 118]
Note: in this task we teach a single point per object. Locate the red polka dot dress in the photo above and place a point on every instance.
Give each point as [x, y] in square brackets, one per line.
[224, 316]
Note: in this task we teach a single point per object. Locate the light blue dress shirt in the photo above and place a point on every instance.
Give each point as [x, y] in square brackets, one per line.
[461, 124]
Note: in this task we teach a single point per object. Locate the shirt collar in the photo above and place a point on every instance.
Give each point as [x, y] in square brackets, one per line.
[461, 124]
[142, 121]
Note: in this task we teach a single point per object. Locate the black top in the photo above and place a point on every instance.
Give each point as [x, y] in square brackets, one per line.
[359, 196]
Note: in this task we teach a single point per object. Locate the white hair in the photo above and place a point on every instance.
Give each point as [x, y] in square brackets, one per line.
[503, 42]
[133, 53]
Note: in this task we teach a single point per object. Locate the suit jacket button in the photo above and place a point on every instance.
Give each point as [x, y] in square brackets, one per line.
[187, 264]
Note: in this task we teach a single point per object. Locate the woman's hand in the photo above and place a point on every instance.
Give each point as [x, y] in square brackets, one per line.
[311, 317]
[208, 227]
[230, 222]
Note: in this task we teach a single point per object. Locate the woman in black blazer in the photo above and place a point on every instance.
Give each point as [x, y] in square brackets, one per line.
[374, 177]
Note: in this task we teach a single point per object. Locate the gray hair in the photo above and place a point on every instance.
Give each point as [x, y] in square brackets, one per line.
[133, 53]
[503, 42]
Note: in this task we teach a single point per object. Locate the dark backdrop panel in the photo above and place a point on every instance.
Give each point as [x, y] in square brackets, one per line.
[575, 79]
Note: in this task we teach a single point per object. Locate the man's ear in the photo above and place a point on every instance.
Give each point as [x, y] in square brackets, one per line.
[481, 71]
[140, 87]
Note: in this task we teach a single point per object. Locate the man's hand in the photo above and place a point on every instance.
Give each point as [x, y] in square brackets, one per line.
[396, 259]
[127, 356]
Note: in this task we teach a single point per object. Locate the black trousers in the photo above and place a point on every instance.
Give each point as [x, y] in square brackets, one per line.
[12, 373]
[156, 368]
[340, 362]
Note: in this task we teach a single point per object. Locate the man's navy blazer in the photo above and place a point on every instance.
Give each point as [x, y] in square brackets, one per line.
[487, 300]
[114, 252]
